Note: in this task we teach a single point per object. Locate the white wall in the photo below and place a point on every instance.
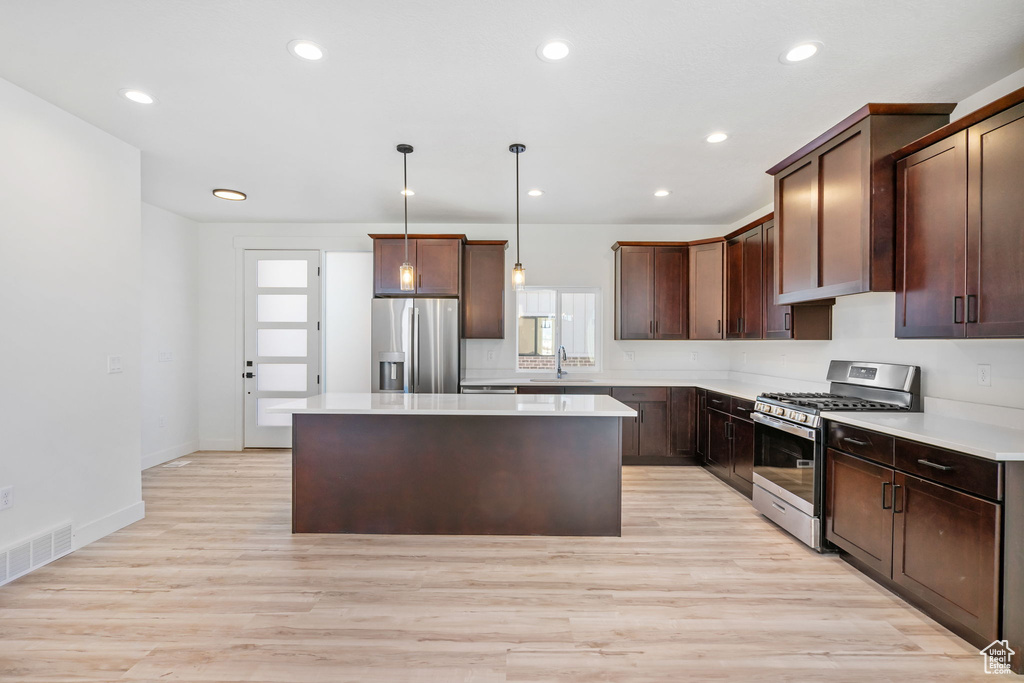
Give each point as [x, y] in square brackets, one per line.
[170, 278]
[69, 297]
[348, 292]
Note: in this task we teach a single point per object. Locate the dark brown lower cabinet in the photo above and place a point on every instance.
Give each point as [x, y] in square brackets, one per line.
[631, 432]
[730, 448]
[683, 424]
[946, 551]
[938, 546]
[702, 424]
[858, 509]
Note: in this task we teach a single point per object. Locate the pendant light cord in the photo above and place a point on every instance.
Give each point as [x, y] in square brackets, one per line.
[405, 195]
[517, 208]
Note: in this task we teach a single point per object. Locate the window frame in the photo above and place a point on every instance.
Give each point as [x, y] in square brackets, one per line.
[598, 326]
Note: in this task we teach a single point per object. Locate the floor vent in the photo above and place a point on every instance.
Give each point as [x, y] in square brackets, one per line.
[24, 557]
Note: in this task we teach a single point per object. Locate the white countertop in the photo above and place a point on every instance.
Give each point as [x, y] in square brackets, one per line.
[989, 441]
[745, 390]
[555, 405]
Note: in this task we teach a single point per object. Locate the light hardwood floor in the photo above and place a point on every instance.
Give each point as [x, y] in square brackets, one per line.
[212, 586]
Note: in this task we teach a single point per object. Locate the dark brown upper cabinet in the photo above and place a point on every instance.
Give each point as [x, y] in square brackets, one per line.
[835, 203]
[483, 290]
[960, 247]
[707, 289]
[651, 283]
[785, 321]
[744, 281]
[436, 259]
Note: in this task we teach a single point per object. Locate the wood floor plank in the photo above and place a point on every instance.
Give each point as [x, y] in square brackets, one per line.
[212, 586]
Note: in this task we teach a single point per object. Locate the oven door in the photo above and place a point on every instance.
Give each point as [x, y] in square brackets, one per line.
[787, 462]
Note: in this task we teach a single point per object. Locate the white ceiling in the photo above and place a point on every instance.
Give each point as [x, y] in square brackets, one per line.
[624, 115]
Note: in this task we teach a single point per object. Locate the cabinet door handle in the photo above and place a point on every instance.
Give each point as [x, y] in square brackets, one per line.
[958, 311]
[719, 326]
[972, 308]
[741, 325]
[856, 442]
[785, 323]
[419, 281]
[895, 488]
[730, 429]
[652, 327]
[657, 327]
[884, 506]
[641, 416]
[928, 463]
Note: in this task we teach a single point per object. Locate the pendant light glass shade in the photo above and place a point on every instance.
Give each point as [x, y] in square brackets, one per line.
[518, 272]
[406, 276]
[519, 277]
[408, 279]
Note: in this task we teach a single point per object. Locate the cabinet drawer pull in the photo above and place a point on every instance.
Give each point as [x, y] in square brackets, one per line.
[884, 484]
[856, 442]
[778, 507]
[745, 410]
[717, 402]
[958, 311]
[785, 324]
[895, 488]
[929, 463]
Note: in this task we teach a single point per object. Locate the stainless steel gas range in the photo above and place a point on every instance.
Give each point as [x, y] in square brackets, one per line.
[789, 438]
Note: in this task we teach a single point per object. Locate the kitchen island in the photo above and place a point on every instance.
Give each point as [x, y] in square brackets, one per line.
[457, 464]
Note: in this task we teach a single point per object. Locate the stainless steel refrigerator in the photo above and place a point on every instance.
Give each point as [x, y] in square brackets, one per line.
[415, 346]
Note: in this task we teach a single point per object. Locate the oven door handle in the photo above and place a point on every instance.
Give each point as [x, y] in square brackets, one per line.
[795, 430]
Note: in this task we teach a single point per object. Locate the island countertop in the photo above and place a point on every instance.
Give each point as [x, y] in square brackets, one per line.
[556, 405]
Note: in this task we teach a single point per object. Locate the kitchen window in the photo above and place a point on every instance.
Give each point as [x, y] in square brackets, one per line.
[549, 317]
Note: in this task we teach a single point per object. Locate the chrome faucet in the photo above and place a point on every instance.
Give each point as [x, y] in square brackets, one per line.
[559, 357]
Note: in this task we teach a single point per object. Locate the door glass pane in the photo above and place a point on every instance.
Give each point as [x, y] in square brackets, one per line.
[281, 376]
[281, 308]
[281, 343]
[281, 273]
[265, 419]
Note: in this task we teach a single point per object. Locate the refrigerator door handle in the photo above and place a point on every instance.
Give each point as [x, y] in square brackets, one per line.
[416, 348]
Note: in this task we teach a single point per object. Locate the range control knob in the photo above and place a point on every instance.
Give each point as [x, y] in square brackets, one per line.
[801, 417]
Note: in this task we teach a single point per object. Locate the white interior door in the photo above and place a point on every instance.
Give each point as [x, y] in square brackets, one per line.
[282, 340]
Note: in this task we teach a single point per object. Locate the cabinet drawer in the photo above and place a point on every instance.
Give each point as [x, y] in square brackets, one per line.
[959, 470]
[589, 391]
[866, 444]
[742, 408]
[719, 402]
[640, 394]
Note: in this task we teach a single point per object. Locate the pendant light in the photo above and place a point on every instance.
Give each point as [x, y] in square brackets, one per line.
[518, 272]
[407, 277]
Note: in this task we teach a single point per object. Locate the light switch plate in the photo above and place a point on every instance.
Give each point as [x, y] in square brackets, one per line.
[113, 365]
[165, 356]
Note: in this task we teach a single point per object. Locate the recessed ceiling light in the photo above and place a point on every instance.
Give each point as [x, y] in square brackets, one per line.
[554, 50]
[800, 52]
[535, 193]
[306, 49]
[138, 96]
[407, 192]
[717, 137]
[233, 195]
[662, 193]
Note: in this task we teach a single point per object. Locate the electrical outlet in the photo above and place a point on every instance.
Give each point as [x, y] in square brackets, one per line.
[165, 356]
[985, 375]
[693, 356]
[744, 357]
[161, 421]
[490, 355]
[783, 360]
[113, 365]
[5, 497]
[629, 356]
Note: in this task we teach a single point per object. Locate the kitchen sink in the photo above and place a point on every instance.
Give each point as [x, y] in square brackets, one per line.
[552, 380]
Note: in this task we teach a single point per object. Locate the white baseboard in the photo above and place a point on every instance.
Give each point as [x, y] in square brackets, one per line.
[104, 526]
[218, 445]
[167, 454]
